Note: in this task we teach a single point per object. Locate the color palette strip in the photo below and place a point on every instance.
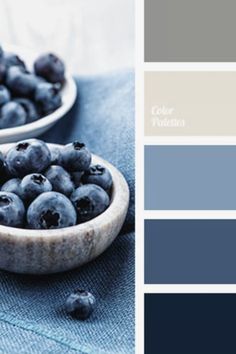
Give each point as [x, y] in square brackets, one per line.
[190, 177]
[190, 323]
[190, 103]
[190, 252]
[190, 31]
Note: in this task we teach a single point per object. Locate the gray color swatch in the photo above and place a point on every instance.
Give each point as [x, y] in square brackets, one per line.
[190, 177]
[190, 30]
[190, 251]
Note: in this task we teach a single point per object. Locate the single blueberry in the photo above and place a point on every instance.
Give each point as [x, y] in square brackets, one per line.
[5, 95]
[99, 175]
[21, 82]
[12, 114]
[28, 156]
[51, 210]
[12, 210]
[33, 185]
[11, 59]
[60, 180]
[75, 157]
[47, 97]
[89, 201]
[30, 109]
[3, 72]
[80, 304]
[13, 186]
[50, 67]
[77, 178]
[56, 155]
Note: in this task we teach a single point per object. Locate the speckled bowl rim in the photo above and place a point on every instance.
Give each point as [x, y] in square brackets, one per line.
[119, 202]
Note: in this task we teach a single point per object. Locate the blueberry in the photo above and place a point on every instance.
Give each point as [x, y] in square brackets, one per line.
[30, 109]
[60, 180]
[76, 178]
[99, 175]
[21, 82]
[1, 52]
[12, 210]
[50, 67]
[13, 186]
[76, 157]
[3, 72]
[28, 156]
[11, 59]
[5, 95]
[51, 210]
[33, 185]
[12, 115]
[89, 201]
[47, 97]
[80, 304]
[56, 155]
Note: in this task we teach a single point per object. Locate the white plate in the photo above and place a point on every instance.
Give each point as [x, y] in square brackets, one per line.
[41, 125]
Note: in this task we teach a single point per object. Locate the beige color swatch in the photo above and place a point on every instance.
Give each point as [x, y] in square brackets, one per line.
[190, 103]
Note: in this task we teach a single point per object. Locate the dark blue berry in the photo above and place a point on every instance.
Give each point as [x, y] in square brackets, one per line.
[12, 114]
[47, 97]
[30, 109]
[21, 82]
[5, 95]
[50, 67]
[13, 186]
[75, 157]
[33, 185]
[89, 201]
[11, 59]
[76, 178]
[3, 72]
[12, 210]
[60, 180]
[80, 304]
[99, 175]
[51, 210]
[56, 155]
[28, 156]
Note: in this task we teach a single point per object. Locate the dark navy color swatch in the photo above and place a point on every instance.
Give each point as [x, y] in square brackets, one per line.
[190, 251]
[190, 323]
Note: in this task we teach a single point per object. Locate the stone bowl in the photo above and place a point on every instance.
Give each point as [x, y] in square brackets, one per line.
[53, 251]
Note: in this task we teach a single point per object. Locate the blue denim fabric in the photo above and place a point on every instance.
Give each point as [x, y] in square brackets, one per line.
[32, 317]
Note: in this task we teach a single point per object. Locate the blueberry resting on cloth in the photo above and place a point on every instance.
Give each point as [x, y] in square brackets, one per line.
[80, 304]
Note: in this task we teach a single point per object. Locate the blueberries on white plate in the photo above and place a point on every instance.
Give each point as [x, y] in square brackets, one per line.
[38, 91]
[51, 210]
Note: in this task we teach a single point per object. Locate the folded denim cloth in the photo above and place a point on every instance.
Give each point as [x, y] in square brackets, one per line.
[32, 317]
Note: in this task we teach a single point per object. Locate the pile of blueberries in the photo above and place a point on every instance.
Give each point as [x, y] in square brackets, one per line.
[27, 96]
[51, 188]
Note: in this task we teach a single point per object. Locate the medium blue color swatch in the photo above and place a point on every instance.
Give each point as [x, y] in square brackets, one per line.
[190, 177]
